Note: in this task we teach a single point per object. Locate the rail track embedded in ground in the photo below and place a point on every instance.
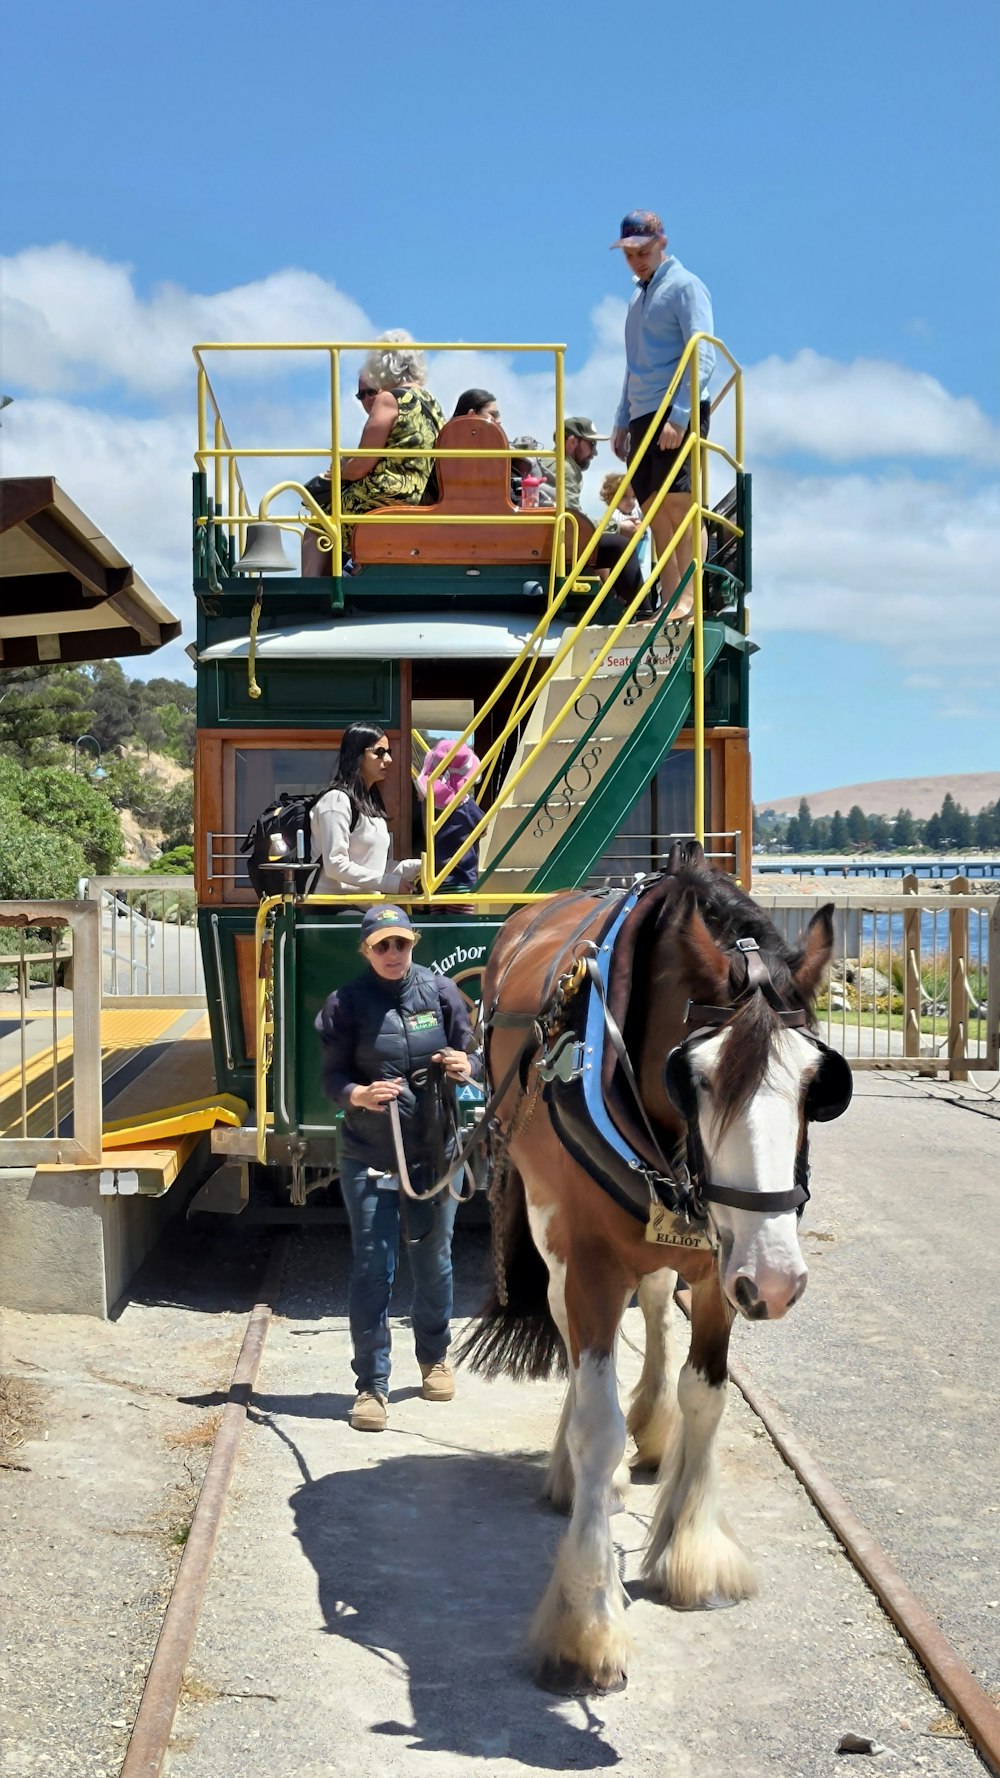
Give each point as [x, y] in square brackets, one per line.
[148, 1742]
[161, 1694]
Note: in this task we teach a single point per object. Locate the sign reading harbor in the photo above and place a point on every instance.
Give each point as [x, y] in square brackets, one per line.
[326, 953]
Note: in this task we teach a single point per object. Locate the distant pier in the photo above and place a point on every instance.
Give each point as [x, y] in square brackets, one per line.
[877, 864]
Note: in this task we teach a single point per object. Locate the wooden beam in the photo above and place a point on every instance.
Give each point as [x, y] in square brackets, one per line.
[69, 553]
[132, 610]
[21, 496]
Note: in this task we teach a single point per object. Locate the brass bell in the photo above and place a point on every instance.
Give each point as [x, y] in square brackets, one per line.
[264, 552]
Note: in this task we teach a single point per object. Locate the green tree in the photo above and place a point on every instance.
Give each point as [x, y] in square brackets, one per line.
[179, 727]
[805, 827]
[857, 825]
[821, 834]
[177, 815]
[114, 703]
[839, 836]
[149, 729]
[39, 708]
[905, 832]
[933, 833]
[792, 835]
[61, 802]
[987, 828]
[127, 786]
[879, 833]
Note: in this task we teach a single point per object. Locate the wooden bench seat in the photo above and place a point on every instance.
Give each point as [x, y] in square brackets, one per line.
[468, 485]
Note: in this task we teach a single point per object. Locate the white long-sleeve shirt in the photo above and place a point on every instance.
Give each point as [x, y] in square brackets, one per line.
[361, 861]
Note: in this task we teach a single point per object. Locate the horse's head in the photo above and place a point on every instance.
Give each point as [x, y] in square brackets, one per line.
[747, 1085]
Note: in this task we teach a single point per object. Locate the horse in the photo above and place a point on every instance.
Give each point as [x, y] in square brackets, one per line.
[658, 1070]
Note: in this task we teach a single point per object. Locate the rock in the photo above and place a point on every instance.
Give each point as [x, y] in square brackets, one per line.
[860, 1744]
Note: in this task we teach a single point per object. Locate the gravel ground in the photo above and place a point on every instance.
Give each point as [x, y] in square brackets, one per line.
[95, 1501]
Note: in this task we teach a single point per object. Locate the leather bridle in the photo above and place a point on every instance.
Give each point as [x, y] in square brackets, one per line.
[828, 1095]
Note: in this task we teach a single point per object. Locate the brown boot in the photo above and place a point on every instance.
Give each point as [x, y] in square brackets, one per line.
[370, 1412]
[439, 1381]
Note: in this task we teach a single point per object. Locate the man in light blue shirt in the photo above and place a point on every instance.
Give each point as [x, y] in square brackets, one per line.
[669, 305]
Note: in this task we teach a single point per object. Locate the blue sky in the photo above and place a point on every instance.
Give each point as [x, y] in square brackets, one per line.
[831, 172]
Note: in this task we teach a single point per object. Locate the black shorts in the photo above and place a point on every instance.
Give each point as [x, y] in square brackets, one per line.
[652, 472]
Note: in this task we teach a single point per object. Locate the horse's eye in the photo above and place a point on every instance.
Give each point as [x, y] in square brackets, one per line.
[703, 1084]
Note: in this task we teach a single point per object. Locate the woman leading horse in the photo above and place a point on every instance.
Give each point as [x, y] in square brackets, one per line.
[661, 1074]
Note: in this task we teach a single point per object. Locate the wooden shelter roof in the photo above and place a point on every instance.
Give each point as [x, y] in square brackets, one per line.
[67, 593]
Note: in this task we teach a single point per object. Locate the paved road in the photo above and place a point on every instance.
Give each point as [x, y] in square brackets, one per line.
[889, 1365]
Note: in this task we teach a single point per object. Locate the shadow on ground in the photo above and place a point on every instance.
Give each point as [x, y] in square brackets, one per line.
[434, 1563]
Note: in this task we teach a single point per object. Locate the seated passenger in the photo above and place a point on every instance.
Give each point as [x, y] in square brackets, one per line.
[581, 440]
[537, 491]
[350, 828]
[456, 777]
[399, 412]
[477, 401]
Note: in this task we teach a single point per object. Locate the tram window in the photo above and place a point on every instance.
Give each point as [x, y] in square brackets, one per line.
[262, 773]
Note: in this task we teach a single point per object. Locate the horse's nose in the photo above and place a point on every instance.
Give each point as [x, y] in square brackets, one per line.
[769, 1300]
[748, 1298]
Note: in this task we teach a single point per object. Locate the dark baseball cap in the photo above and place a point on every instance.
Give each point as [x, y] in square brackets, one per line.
[639, 226]
[583, 428]
[383, 919]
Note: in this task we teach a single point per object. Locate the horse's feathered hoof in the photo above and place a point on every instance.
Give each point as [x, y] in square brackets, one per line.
[571, 1680]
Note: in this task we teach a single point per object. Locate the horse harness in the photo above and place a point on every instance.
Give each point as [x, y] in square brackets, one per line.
[669, 1193]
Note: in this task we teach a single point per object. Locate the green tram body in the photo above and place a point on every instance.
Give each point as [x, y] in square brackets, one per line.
[381, 645]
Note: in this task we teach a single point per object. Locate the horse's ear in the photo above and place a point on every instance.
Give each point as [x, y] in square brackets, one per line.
[675, 860]
[706, 966]
[810, 964]
[694, 855]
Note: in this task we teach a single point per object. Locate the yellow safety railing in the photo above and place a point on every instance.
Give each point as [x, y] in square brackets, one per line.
[330, 526]
[696, 449]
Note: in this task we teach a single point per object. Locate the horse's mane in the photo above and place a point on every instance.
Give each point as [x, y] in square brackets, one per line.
[730, 914]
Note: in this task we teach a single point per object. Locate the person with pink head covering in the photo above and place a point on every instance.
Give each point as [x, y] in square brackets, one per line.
[457, 776]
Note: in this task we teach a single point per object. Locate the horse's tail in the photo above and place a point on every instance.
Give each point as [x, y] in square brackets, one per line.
[514, 1333]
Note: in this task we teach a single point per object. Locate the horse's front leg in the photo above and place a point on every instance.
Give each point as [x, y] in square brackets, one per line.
[693, 1557]
[653, 1411]
[579, 1633]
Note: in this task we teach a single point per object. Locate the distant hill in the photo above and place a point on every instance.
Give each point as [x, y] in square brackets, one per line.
[922, 796]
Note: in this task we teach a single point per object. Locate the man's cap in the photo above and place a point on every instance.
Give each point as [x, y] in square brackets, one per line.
[639, 226]
[382, 919]
[584, 428]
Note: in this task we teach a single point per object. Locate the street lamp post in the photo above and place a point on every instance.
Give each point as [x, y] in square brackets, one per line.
[96, 770]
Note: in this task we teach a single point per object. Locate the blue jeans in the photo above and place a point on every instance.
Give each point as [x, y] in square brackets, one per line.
[375, 1218]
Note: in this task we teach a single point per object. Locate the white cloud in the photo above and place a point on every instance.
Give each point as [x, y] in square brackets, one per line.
[73, 322]
[883, 557]
[892, 559]
[845, 413]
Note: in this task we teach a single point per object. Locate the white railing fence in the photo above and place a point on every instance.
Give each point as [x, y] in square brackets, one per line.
[915, 976]
[149, 940]
[50, 1033]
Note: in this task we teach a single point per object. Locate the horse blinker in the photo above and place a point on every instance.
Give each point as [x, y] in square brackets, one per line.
[830, 1090]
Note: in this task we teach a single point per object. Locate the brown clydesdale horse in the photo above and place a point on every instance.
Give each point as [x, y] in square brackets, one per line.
[693, 959]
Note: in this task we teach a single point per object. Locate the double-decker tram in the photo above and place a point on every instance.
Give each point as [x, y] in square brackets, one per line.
[602, 732]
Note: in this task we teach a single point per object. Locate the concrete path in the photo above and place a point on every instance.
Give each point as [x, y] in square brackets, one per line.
[369, 1598]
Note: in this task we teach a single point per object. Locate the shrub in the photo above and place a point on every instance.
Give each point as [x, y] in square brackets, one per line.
[59, 800]
[179, 861]
[37, 864]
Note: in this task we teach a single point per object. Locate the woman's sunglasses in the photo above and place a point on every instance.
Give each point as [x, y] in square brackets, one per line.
[390, 944]
[363, 394]
[381, 752]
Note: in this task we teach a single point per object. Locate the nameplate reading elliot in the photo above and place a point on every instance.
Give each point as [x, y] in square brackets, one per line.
[668, 1228]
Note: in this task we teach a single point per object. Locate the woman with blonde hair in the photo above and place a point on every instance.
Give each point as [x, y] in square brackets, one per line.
[399, 413]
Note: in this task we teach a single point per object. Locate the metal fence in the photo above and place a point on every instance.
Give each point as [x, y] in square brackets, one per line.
[915, 976]
[149, 940]
[50, 1033]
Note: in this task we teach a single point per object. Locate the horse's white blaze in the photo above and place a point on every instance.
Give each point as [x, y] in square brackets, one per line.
[581, 1617]
[653, 1408]
[692, 1555]
[757, 1153]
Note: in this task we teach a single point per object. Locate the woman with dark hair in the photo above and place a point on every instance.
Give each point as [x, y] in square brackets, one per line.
[350, 828]
[477, 401]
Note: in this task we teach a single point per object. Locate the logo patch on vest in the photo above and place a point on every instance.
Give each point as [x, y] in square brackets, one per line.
[421, 1021]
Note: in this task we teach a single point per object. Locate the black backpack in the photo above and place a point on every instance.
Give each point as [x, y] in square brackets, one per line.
[274, 839]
